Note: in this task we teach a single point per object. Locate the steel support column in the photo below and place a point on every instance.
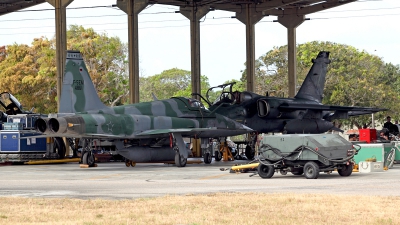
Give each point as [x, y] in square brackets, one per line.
[61, 40]
[291, 22]
[132, 8]
[194, 14]
[250, 17]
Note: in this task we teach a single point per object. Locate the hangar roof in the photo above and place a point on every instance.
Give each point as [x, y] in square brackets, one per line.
[8, 6]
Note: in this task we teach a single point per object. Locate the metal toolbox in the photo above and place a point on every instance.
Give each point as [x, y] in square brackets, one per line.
[368, 167]
[27, 120]
[12, 141]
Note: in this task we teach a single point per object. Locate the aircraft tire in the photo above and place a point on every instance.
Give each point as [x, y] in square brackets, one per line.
[234, 153]
[180, 161]
[311, 170]
[88, 159]
[133, 164]
[59, 147]
[265, 171]
[207, 158]
[127, 163]
[217, 156]
[249, 152]
[346, 170]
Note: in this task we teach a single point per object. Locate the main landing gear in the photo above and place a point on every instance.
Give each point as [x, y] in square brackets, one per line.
[87, 154]
[180, 161]
[181, 153]
[129, 163]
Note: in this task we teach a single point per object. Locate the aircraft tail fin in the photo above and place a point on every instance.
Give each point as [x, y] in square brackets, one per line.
[78, 93]
[314, 84]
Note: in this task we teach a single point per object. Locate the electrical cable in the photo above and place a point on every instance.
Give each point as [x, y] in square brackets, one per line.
[158, 27]
[233, 8]
[83, 7]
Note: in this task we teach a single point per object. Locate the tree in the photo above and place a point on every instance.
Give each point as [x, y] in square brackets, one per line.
[354, 78]
[29, 72]
[169, 83]
[106, 60]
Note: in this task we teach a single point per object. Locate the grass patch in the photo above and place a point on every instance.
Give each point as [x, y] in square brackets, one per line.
[220, 208]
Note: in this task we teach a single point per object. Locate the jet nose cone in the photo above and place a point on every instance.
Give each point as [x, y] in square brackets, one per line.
[240, 126]
[247, 128]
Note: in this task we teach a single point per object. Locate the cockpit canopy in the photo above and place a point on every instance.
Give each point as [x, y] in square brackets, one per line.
[10, 104]
[245, 96]
[192, 103]
[225, 94]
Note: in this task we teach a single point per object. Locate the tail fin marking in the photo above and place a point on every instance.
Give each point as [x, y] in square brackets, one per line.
[78, 93]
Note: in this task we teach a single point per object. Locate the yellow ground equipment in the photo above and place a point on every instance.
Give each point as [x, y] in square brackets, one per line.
[243, 168]
[52, 161]
[226, 153]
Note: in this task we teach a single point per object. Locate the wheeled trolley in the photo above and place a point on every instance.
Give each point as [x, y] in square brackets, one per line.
[307, 154]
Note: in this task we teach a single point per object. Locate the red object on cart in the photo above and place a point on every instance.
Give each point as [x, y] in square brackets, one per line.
[368, 135]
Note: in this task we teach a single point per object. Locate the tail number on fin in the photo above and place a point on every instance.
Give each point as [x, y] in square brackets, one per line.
[74, 55]
[78, 84]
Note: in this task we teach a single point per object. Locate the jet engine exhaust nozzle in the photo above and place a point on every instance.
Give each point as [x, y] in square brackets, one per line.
[58, 125]
[41, 125]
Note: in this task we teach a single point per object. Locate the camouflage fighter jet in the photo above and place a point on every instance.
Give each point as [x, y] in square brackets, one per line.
[141, 132]
[304, 113]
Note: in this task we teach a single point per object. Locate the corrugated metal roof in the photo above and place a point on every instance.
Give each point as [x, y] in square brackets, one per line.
[8, 6]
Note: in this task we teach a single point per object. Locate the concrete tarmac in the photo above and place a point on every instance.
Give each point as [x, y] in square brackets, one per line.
[116, 181]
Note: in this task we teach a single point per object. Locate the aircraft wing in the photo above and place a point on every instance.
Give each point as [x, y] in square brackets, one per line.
[345, 112]
[356, 110]
[163, 131]
[359, 113]
[88, 135]
[331, 112]
[296, 106]
[199, 132]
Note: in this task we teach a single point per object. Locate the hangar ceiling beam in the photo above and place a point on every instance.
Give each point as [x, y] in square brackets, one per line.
[307, 10]
[276, 4]
[194, 14]
[324, 6]
[12, 6]
[61, 40]
[133, 8]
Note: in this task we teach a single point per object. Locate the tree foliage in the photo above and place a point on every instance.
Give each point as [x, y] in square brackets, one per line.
[29, 72]
[106, 60]
[169, 83]
[354, 78]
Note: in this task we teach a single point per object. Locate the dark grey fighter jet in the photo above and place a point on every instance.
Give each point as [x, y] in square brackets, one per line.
[302, 114]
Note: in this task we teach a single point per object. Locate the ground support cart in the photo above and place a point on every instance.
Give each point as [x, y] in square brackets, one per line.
[307, 154]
